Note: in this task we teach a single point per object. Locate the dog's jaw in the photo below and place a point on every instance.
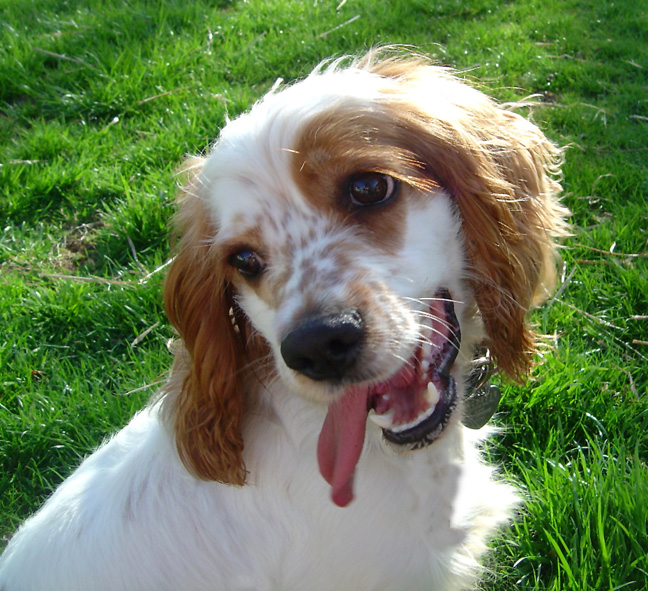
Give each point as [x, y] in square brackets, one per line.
[413, 407]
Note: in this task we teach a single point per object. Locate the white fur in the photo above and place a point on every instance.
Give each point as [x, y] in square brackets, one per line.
[132, 517]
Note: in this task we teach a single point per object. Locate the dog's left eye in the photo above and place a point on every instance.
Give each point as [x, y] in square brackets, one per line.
[247, 262]
[371, 188]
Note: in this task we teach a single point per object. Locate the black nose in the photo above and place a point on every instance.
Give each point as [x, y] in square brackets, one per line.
[325, 347]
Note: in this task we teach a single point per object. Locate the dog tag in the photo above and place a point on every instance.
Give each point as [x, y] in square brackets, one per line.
[480, 406]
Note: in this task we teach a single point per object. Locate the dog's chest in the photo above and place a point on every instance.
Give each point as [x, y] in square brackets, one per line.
[398, 533]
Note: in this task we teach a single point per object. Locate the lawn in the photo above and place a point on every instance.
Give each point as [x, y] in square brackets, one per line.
[101, 101]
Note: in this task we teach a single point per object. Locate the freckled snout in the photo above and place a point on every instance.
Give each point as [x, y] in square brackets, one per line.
[326, 346]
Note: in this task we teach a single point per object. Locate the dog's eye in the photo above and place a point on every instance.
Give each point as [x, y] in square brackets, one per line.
[371, 188]
[247, 263]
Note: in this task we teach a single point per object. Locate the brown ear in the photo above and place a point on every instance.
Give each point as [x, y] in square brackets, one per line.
[207, 412]
[500, 169]
[511, 217]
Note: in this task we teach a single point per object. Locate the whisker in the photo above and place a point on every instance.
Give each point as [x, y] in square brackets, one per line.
[441, 321]
[406, 362]
[472, 274]
[433, 299]
[452, 333]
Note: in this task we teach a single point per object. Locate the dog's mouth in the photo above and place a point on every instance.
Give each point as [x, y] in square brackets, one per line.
[413, 407]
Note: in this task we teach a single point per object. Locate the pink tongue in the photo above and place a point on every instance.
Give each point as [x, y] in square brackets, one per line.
[340, 443]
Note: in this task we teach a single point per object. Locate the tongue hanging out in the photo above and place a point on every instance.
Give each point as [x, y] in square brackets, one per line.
[340, 443]
[413, 406]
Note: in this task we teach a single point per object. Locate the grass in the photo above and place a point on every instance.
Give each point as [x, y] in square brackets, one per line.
[101, 101]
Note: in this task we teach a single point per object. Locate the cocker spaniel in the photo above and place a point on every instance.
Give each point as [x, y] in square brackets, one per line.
[346, 250]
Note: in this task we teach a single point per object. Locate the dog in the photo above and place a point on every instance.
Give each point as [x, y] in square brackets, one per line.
[345, 251]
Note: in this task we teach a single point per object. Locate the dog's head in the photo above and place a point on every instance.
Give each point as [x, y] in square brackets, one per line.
[365, 228]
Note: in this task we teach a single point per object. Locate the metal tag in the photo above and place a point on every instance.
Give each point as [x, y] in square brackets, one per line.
[480, 406]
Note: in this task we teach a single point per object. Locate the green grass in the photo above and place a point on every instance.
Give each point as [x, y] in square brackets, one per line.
[101, 101]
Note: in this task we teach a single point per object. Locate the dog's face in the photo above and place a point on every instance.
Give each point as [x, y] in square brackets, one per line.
[336, 258]
[365, 225]
[350, 267]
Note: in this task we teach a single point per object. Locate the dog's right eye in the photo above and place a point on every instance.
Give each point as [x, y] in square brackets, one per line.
[372, 188]
[247, 262]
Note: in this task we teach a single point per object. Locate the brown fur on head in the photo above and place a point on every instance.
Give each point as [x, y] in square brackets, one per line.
[500, 169]
[206, 413]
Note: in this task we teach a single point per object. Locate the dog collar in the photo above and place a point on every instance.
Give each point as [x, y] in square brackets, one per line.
[482, 397]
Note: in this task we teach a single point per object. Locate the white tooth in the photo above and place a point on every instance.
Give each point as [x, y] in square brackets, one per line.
[432, 394]
[385, 420]
[425, 365]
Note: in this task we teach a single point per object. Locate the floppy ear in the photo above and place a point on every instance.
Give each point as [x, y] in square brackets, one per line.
[207, 411]
[511, 217]
[500, 169]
